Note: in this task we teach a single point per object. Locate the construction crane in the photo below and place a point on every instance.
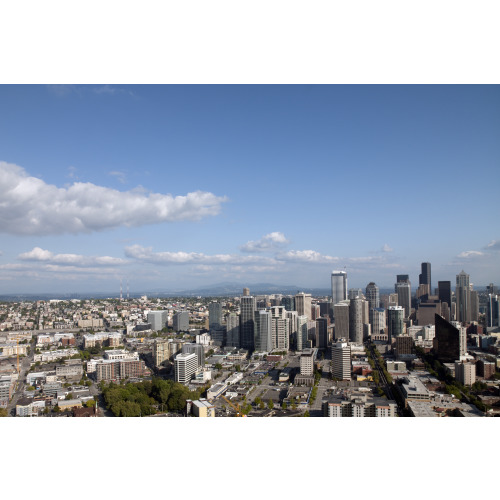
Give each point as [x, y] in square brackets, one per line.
[236, 407]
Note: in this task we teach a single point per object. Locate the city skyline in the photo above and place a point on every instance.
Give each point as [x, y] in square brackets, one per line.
[188, 186]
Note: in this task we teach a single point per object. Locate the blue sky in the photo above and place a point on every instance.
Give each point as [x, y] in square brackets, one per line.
[287, 183]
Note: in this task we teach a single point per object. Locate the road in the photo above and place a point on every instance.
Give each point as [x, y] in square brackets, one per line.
[24, 366]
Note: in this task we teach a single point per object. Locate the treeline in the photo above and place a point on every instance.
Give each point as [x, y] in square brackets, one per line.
[147, 398]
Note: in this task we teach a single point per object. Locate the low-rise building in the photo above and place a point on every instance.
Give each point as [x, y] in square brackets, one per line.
[359, 405]
[413, 389]
[202, 408]
[216, 390]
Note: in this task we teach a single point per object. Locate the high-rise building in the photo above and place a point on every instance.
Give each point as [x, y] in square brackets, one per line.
[180, 321]
[402, 278]
[341, 314]
[326, 309]
[395, 322]
[448, 341]
[196, 349]
[303, 304]
[339, 286]
[465, 373]
[214, 315]
[356, 320]
[307, 362]
[352, 293]
[280, 328]
[288, 302]
[378, 321]
[233, 330]
[185, 366]
[321, 333]
[372, 296]
[403, 289]
[462, 293]
[248, 305]
[302, 332]
[341, 360]
[246, 292]
[492, 311]
[474, 305]
[425, 277]
[158, 320]
[444, 292]
[315, 312]
[263, 340]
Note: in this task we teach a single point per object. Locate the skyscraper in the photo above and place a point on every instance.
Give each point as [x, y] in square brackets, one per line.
[233, 330]
[462, 293]
[356, 320]
[492, 311]
[302, 332]
[248, 306]
[378, 321]
[403, 289]
[395, 322]
[341, 313]
[303, 304]
[372, 295]
[444, 292]
[448, 342]
[263, 340]
[341, 360]
[196, 349]
[339, 286]
[214, 315]
[425, 277]
[321, 333]
[185, 366]
[180, 321]
[158, 319]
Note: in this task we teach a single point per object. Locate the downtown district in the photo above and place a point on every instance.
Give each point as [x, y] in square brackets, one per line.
[422, 352]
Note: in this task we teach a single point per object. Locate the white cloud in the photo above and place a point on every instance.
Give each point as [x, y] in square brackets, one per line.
[494, 245]
[270, 241]
[146, 254]
[120, 176]
[387, 248]
[69, 259]
[306, 256]
[30, 206]
[470, 254]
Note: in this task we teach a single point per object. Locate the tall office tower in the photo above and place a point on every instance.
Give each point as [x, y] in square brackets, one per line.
[302, 332]
[214, 315]
[402, 278]
[423, 292]
[185, 366]
[307, 362]
[372, 296]
[315, 312]
[339, 286]
[263, 332]
[378, 318]
[395, 322]
[444, 292]
[462, 293]
[474, 305]
[233, 330]
[246, 292]
[465, 373]
[425, 277]
[356, 320]
[280, 328]
[341, 314]
[303, 304]
[161, 352]
[321, 333]
[492, 311]
[393, 300]
[158, 320]
[449, 341]
[403, 289]
[180, 321]
[445, 311]
[341, 360]
[326, 309]
[491, 288]
[352, 293]
[292, 323]
[288, 302]
[196, 349]
[248, 305]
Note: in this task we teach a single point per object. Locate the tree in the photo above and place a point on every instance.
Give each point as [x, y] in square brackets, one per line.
[69, 396]
[270, 404]
[306, 414]
[218, 366]
[284, 406]
[3, 412]
[56, 409]
[90, 403]
[262, 405]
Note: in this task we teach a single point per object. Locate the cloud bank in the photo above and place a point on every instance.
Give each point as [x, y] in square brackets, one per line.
[29, 206]
[69, 259]
[268, 242]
